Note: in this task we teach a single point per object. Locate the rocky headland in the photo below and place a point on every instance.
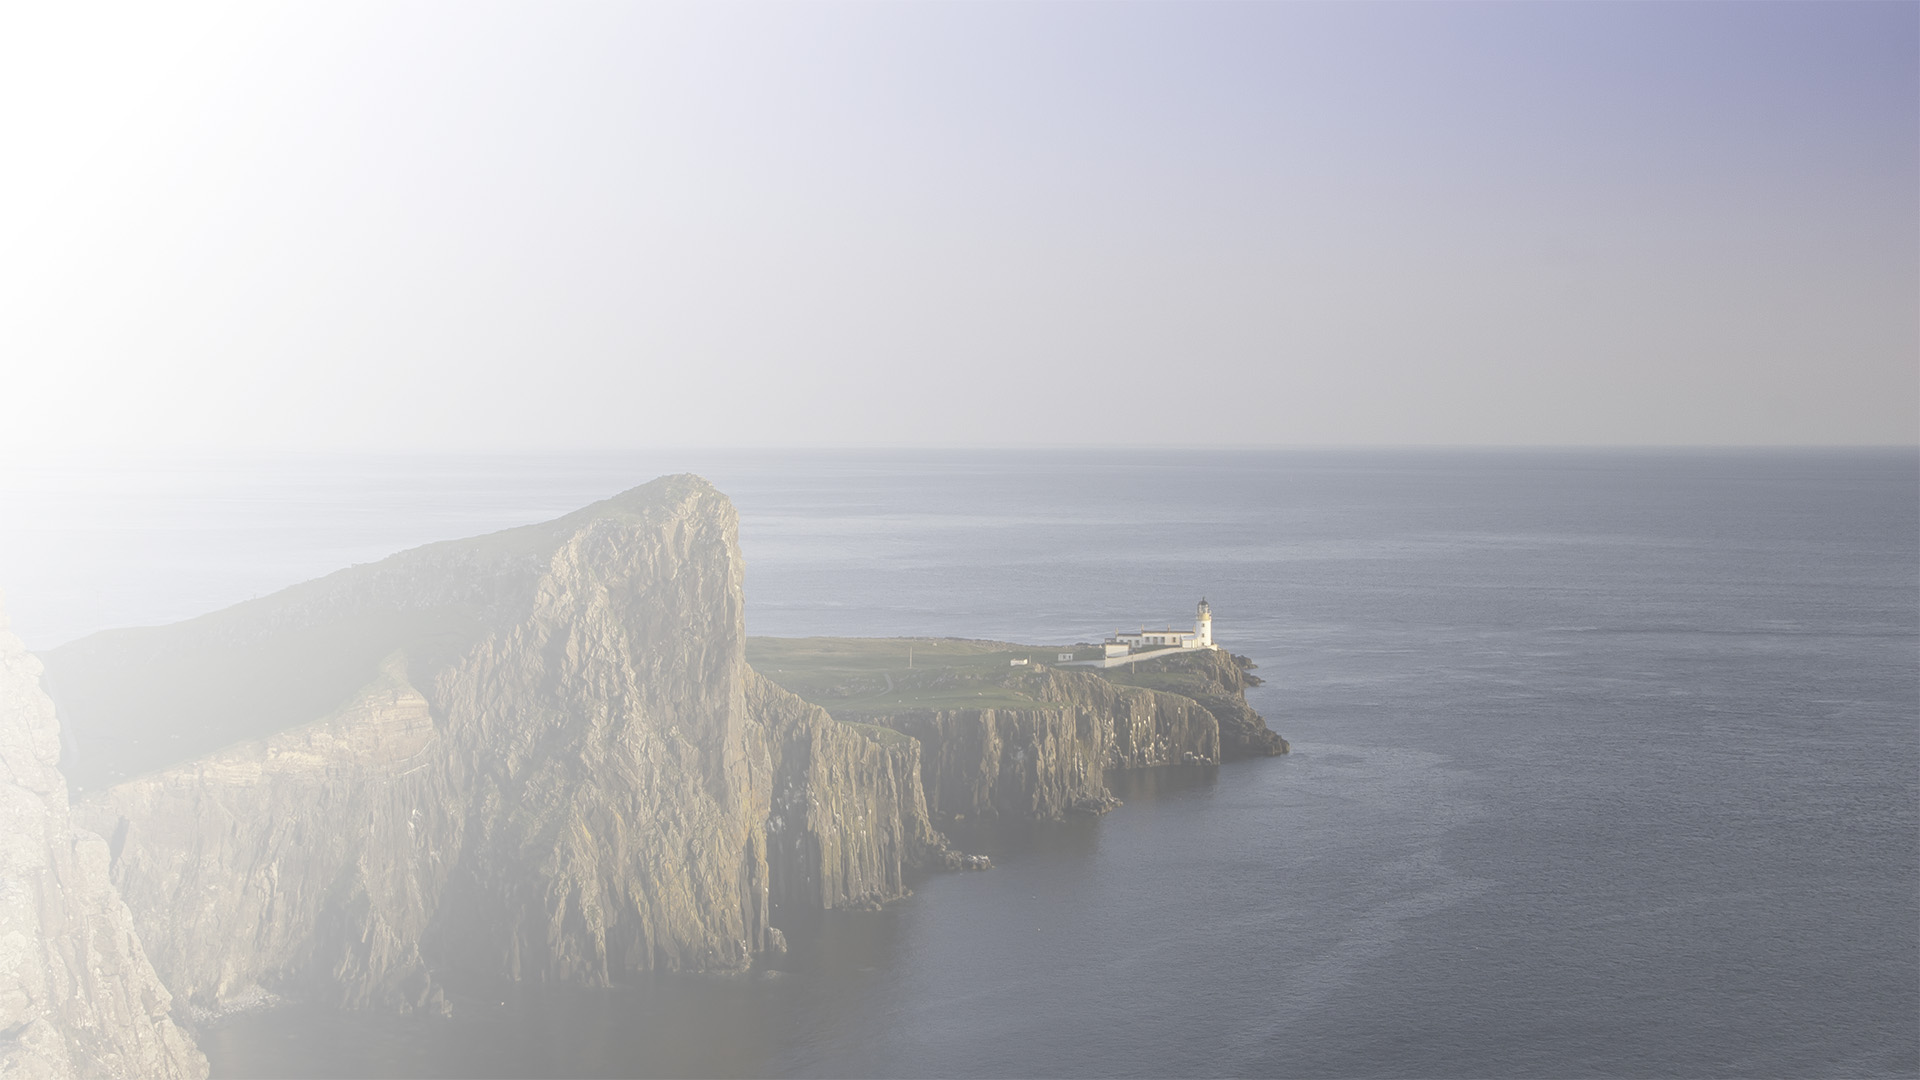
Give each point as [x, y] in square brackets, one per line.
[1005, 734]
[540, 754]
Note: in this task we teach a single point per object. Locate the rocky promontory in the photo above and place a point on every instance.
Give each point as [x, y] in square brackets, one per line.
[1006, 734]
[1218, 682]
[542, 754]
[538, 754]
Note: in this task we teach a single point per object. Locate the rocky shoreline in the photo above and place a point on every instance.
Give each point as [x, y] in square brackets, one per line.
[540, 754]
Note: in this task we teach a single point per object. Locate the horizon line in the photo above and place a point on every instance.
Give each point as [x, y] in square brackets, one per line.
[96, 455]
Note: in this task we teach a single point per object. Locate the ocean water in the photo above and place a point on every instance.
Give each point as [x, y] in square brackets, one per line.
[1605, 763]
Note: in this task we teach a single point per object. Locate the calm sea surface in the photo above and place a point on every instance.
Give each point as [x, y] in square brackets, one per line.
[1605, 763]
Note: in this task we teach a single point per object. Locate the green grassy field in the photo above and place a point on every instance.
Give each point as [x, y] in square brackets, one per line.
[879, 676]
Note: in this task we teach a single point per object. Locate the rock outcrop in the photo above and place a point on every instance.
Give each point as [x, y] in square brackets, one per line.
[849, 812]
[1045, 761]
[78, 997]
[1218, 681]
[538, 754]
[308, 862]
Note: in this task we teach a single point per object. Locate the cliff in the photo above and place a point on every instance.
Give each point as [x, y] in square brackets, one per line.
[1045, 760]
[848, 810]
[1218, 682]
[538, 754]
[1024, 739]
[78, 997]
[542, 754]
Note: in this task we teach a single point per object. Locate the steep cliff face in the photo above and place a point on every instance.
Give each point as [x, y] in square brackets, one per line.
[616, 786]
[78, 997]
[308, 862]
[1043, 761]
[849, 812]
[1218, 681]
[558, 766]
[542, 754]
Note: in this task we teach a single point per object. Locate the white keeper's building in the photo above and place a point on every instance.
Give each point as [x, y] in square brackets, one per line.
[1200, 637]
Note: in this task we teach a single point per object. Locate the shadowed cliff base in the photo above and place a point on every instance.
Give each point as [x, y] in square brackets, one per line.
[541, 755]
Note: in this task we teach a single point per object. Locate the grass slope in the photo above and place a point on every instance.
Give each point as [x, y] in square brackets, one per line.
[854, 677]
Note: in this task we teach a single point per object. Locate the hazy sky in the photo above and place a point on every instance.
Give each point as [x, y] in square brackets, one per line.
[494, 227]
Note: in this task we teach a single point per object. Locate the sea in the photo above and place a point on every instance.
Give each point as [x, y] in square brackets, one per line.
[1605, 762]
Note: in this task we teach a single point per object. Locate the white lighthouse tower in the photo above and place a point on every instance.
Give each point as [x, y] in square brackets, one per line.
[1203, 624]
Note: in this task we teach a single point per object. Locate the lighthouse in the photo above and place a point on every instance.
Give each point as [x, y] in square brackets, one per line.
[1203, 624]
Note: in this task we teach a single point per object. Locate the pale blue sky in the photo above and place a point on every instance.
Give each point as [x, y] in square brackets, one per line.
[493, 227]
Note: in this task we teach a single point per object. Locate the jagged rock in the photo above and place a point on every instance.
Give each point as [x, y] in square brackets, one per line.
[308, 860]
[1046, 761]
[1218, 680]
[848, 813]
[1102, 805]
[77, 995]
[1051, 759]
[540, 754]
